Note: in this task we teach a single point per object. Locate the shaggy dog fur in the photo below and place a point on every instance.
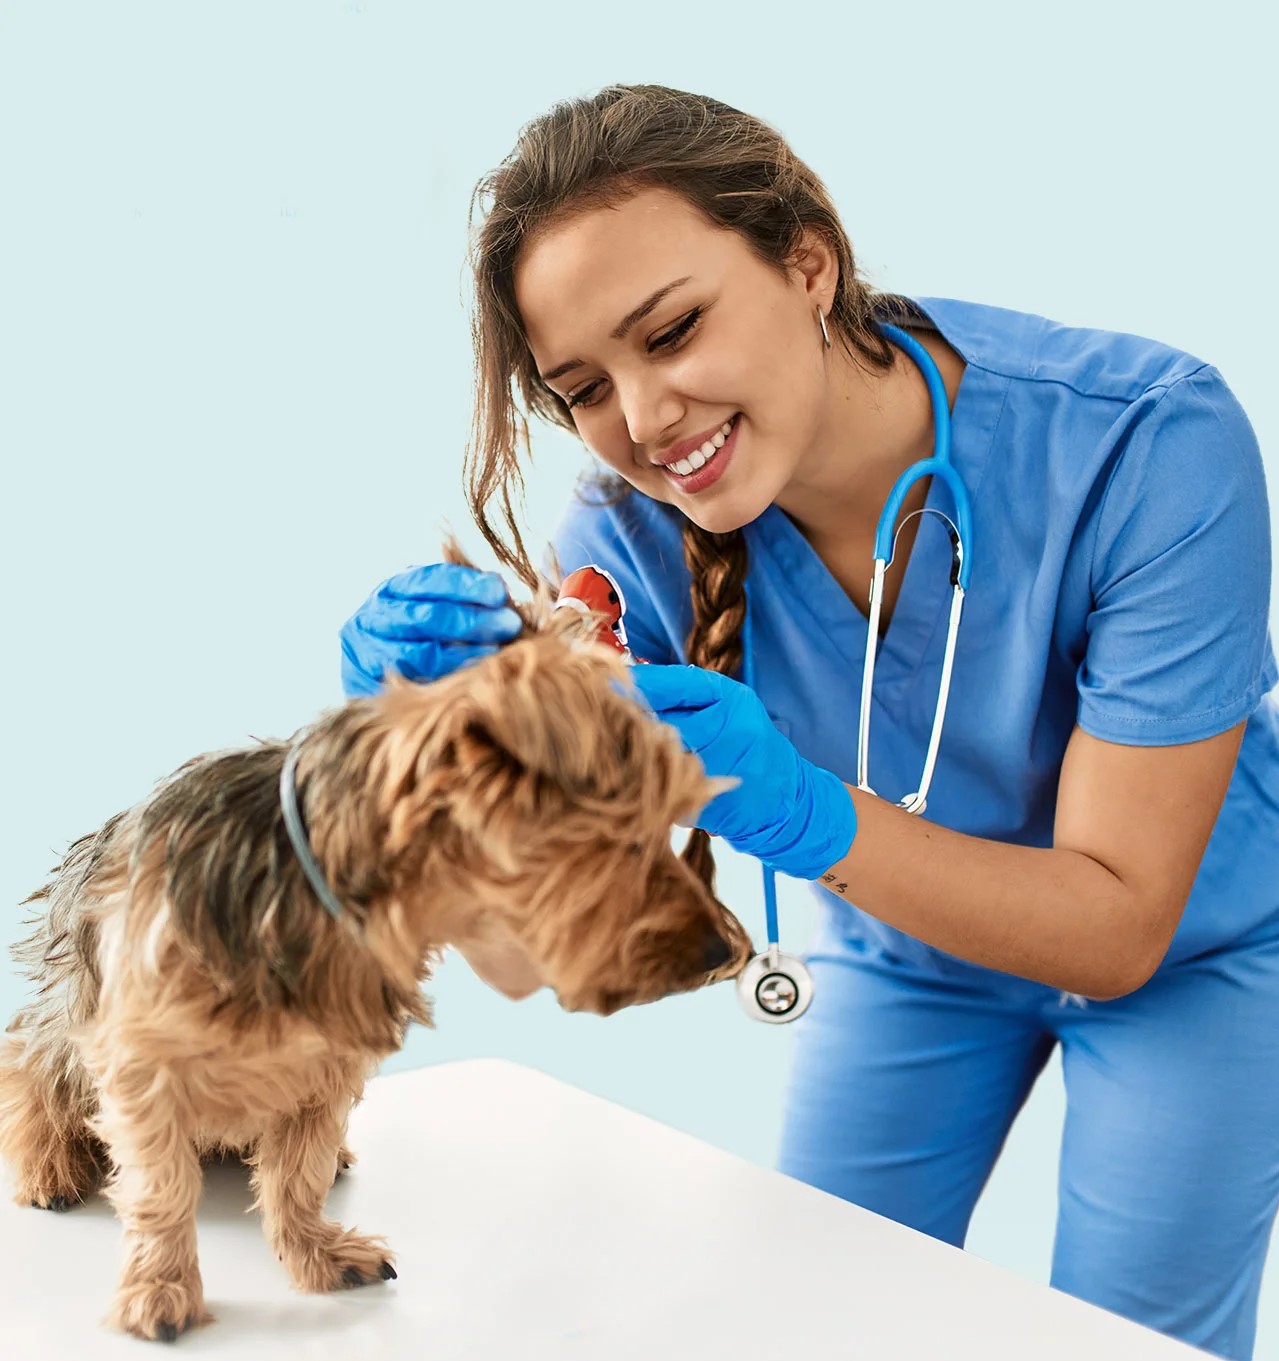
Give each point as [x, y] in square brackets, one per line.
[196, 1000]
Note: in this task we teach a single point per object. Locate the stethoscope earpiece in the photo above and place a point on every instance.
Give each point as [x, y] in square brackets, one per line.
[774, 987]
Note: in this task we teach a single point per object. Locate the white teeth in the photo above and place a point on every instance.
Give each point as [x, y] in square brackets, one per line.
[700, 457]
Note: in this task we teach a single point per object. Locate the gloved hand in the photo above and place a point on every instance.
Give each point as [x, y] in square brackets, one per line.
[792, 815]
[424, 623]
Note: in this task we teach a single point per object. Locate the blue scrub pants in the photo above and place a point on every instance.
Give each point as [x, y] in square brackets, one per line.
[905, 1082]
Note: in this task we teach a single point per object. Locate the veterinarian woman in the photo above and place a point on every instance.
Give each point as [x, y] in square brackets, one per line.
[1098, 865]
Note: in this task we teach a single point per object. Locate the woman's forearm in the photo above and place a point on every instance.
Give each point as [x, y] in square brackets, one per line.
[1056, 916]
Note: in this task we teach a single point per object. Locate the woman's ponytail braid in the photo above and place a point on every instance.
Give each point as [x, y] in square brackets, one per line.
[717, 566]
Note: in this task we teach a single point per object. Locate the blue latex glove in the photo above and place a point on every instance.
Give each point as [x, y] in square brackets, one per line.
[425, 623]
[792, 815]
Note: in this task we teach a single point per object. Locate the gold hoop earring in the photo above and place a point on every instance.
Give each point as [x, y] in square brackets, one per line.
[821, 321]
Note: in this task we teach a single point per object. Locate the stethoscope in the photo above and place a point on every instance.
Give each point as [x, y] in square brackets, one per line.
[776, 987]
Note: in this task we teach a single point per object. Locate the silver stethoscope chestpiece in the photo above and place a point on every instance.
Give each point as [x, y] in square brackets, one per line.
[775, 987]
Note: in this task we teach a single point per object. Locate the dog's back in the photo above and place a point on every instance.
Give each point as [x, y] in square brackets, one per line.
[189, 811]
[61, 953]
[42, 1079]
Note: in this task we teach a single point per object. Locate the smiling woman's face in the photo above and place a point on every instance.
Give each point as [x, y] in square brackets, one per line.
[691, 368]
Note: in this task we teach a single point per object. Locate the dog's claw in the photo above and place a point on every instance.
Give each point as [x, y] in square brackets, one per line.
[57, 1203]
[353, 1276]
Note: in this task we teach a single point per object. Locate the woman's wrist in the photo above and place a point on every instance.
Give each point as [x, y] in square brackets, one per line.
[817, 832]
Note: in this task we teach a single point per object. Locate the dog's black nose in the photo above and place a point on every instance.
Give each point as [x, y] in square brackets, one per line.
[716, 952]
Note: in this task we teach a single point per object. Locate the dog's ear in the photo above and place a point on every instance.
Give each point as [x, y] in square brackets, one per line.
[547, 724]
[563, 708]
[499, 748]
[553, 707]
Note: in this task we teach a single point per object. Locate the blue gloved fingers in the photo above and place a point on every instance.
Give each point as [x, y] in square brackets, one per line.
[430, 661]
[424, 623]
[446, 581]
[632, 692]
[356, 680]
[366, 659]
[701, 729]
[399, 619]
[704, 705]
[680, 687]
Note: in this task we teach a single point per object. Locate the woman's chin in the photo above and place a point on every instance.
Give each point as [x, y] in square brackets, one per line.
[720, 509]
[726, 513]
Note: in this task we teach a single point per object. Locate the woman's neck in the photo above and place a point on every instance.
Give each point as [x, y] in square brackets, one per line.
[877, 424]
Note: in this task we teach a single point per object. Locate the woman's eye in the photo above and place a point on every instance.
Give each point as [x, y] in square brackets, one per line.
[673, 337]
[670, 341]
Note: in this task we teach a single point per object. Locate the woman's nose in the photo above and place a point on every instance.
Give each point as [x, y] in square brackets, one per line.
[649, 411]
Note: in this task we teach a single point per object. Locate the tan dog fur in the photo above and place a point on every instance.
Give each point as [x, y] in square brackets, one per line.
[195, 999]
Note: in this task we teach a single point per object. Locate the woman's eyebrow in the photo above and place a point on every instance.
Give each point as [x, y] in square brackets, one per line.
[620, 331]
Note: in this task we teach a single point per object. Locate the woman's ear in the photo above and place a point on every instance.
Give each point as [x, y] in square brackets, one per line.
[816, 264]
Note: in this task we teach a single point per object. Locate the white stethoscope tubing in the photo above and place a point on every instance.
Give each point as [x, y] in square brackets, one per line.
[916, 802]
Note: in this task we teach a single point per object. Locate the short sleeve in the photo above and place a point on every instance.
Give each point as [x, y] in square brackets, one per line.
[1178, 645]
[631, 539]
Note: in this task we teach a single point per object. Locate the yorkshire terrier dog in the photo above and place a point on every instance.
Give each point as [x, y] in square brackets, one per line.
[198, 999]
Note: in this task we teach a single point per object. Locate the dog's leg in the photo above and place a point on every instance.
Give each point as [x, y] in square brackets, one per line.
[346, 1159]
[155, 1188]
[292, 1174]
[44, 1136]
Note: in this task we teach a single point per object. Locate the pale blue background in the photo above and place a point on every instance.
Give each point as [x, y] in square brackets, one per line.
[235, 365]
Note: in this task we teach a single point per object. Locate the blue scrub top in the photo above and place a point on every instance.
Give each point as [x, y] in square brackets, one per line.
[1121, 580]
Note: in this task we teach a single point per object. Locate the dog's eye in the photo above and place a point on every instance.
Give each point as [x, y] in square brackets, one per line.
[635, 848]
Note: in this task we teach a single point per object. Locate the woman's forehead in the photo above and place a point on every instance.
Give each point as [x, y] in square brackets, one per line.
[598, 265]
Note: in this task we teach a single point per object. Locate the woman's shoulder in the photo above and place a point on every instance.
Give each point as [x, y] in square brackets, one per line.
[1108, 365]
[606, 515]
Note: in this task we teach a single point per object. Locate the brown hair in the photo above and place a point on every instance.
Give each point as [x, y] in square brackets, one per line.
[595, 151]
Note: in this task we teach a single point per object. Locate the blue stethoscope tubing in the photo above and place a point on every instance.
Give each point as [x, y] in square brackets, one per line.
[775, 987]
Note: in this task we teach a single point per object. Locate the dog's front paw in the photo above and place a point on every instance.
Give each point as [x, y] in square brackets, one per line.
[58, 1203]
[159, 1310]
[347, 1260]
[60, 1182]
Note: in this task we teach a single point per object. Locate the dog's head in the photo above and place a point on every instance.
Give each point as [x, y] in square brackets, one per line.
[526, 805]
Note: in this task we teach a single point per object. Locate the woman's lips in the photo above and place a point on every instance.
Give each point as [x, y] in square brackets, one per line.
[710, 472]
